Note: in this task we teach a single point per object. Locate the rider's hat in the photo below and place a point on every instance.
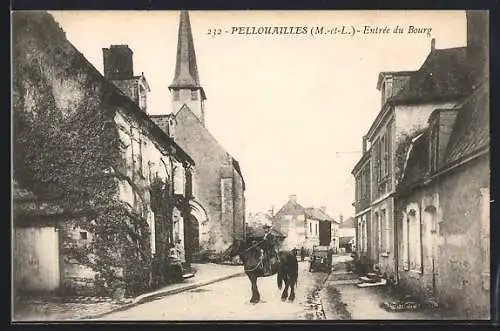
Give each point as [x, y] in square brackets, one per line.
[266, 226]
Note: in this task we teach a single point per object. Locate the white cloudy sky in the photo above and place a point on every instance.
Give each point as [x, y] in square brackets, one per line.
[292, 109]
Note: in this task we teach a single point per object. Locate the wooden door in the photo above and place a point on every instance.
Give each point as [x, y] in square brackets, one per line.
[36, 258]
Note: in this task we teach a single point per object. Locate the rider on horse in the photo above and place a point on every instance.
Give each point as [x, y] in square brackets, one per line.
[269, 249]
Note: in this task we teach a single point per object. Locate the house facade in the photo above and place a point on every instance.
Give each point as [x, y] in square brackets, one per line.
[443, 210]
[305, 227]
[442, 217]
[98, 170]
[362, 210]
[408, 99]
[219, 214]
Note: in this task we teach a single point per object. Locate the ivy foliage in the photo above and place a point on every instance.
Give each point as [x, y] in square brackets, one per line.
[66, 154]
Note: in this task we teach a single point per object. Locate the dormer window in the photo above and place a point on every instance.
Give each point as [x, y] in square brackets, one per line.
[176, 95]
[142, 98]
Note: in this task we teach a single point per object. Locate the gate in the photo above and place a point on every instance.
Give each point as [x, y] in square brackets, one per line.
[36, 259]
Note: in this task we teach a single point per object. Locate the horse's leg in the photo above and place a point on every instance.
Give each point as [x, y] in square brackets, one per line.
[255, 291]
[284, 295]
[293, 281]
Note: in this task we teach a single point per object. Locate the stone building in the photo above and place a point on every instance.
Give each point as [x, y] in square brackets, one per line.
[408, 99]
[107, 189]
[218, 216]
[362, 210]
[442, 220]
[305, 227]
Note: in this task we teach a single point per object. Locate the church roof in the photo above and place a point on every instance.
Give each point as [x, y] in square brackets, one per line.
[186, 70]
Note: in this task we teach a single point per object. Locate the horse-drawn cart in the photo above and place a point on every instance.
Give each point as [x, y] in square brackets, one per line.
[321, 259]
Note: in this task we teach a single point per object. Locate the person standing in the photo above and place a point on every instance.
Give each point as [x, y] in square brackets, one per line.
[269, 247]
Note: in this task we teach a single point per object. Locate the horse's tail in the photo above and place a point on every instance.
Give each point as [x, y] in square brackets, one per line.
[279, 278]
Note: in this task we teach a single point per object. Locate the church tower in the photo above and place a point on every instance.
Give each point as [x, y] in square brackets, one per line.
[185, 87]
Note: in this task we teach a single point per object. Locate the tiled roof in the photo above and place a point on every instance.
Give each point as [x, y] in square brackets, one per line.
[317, 214]
[443, 75]
[471, 130]
[291, 208]
[258, 232]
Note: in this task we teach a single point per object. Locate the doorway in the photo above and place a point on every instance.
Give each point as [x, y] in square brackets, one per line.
[191, 237]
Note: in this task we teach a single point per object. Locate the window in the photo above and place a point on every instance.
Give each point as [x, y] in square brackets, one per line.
[316, 228]
[358, 189]
[361, 184]
[412, 241]
[378, 232]
[387, 149]
[368, 182]
[142, 98]
[378, 165]
[365, 235]
[194, 95]
[176, 95]
[386, 232]
[382, 156]
[310, 228]
[83, 235]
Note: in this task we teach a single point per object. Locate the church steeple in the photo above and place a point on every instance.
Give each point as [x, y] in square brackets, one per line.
[186, 88]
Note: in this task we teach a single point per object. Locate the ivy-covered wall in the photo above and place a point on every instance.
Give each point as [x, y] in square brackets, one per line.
[69, 147]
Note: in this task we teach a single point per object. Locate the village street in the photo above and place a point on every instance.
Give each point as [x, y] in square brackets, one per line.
[229, 300]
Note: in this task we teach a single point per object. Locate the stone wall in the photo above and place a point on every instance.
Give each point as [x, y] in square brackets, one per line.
[214, 175]
[455, 268]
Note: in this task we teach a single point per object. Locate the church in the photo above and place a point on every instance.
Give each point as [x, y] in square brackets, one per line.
[218, 207]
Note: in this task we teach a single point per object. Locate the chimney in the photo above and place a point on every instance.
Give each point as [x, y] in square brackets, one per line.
[478, 39]
[364, 144]
[118, 63]
[433, 44]
[292, 198]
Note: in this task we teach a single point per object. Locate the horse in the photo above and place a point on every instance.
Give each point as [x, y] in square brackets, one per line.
[286, 267]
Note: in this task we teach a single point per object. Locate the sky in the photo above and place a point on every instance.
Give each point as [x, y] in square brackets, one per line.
[292, 109]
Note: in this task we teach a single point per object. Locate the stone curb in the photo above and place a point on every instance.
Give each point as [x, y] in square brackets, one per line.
[155, 295]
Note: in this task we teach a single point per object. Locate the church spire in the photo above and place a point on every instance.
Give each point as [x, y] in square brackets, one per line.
[186, 70]
[186, 88]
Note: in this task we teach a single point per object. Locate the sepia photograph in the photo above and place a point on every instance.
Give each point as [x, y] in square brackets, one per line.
[200, 165]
